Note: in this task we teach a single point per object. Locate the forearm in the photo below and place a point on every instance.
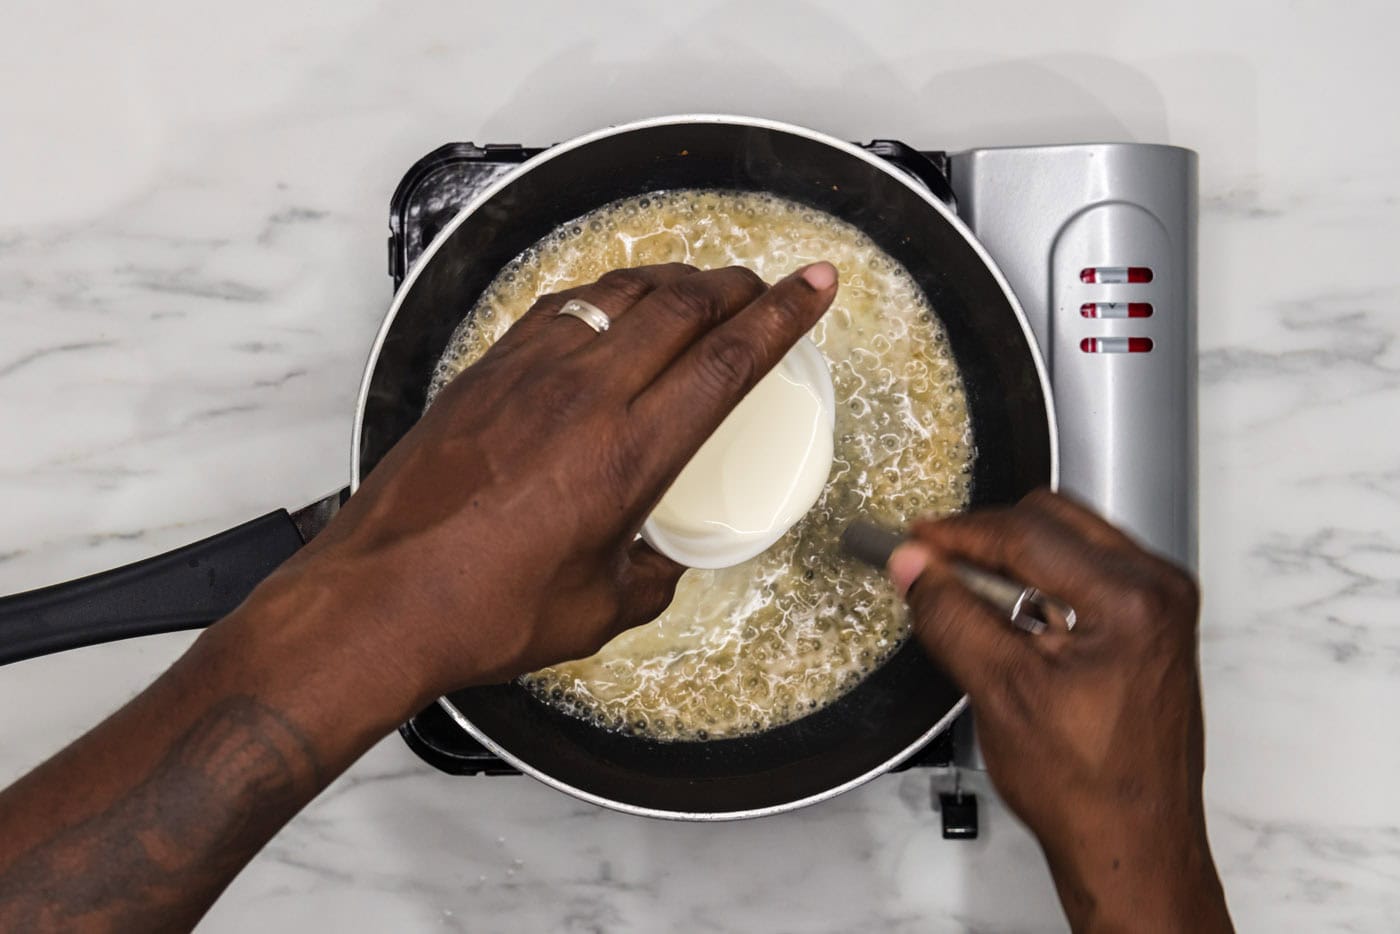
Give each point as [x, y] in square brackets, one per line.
[141, 823]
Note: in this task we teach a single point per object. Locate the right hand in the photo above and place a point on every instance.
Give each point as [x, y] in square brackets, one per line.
[1093, 736]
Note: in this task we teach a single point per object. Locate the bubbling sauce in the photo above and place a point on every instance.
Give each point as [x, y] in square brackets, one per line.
[751, 647]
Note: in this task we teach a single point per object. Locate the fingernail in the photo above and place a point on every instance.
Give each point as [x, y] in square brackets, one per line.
[907, 565]
[820, 276]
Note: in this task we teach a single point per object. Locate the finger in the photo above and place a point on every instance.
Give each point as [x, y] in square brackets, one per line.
[672, 317]
[615, 293]
[1031, 546]
[649, 587]
[978, 649]
[1076, 516]
[686, 402]
[1128, 565]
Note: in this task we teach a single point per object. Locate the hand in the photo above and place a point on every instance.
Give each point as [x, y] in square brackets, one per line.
[1093, 736]
[498, 535]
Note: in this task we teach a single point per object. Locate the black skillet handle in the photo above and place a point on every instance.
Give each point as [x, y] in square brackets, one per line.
[931, 168]
[188, 588]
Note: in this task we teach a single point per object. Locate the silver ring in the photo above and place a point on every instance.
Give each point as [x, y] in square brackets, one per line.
[587, 312]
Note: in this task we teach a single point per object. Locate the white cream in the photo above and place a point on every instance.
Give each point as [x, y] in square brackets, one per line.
[761, 470]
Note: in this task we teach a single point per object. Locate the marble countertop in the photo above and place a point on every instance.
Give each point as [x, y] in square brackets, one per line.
[192, 221]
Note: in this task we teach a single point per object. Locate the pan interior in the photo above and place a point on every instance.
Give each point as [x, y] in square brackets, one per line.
[896, 706]
[747, 648]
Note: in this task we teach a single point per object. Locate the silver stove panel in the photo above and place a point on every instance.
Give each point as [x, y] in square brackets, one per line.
[1127, 420]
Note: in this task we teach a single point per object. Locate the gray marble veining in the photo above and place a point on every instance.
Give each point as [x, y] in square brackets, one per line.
[192, 269]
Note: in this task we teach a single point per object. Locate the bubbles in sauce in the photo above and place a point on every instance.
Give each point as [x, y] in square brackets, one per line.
[748, 648]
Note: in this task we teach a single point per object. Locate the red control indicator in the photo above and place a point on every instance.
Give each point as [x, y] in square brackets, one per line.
[1116, 309]
[1113, 275]
[1116, 344]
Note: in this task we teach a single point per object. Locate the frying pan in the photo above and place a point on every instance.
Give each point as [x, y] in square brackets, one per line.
[887, 717]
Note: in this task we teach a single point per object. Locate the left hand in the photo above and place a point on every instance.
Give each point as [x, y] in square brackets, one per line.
[498, 536]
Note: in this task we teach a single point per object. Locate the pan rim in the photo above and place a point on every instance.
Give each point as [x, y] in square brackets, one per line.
[703, 816]
[672, 120]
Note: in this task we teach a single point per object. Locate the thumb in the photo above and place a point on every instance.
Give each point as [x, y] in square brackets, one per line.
[649, 585]
[959, 631]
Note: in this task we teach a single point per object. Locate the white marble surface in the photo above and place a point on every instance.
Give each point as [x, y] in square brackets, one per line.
[192, 214]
